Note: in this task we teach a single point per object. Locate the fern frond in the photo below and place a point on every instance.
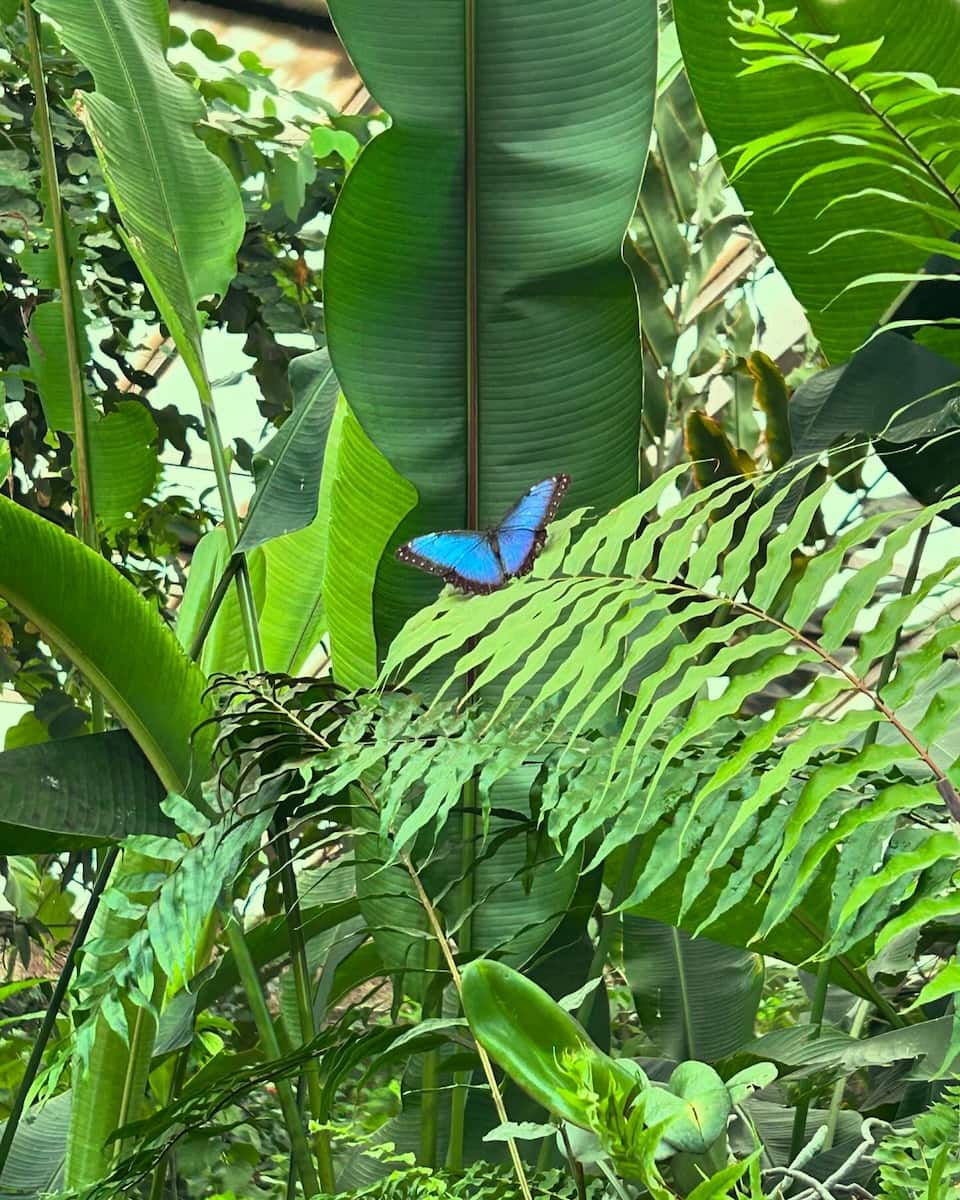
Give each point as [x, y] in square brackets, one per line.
[569, 644]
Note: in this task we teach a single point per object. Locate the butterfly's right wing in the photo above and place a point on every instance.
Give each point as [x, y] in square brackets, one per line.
[462, 557]
[521, 533]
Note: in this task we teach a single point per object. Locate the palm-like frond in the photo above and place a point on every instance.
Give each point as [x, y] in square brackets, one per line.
[791, 799]
[903, 122]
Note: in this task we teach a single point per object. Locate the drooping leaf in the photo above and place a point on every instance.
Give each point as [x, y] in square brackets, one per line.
[113, 636]
[897, 391]
[79, 792]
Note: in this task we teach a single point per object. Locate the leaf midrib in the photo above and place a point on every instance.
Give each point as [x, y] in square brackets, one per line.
[137, 109]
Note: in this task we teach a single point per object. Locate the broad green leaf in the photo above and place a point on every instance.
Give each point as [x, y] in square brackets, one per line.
[123, 461]
[362, 500]
[46, 350]
[738, 109]
[695, 998]
[80, 792]
[179, 205]
[114, 637]
[468, 337]
[292, 620]
[287, 469]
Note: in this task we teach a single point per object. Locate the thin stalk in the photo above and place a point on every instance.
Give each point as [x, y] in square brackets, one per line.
[53, 1008]
[576, 1167]
[304, 991]
[168, 1163]
[430, 1078]
[86, 525]
[856, 1028]
[268, 1038]
[231, 523]
[279, 832]
[816, 1021]
[488, 1071]
[468, 836]
[213, 607]
[140, 1049]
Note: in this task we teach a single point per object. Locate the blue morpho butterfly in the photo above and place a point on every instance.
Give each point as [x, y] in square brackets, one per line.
[484, 560]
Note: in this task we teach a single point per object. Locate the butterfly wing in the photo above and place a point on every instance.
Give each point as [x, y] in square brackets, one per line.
[522, 532]
[462, 557]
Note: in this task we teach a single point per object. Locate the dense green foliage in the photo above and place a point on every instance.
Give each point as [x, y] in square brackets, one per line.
[638, 876]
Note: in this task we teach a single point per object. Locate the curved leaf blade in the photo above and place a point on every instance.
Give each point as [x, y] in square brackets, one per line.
[179, 205]
[115, 638]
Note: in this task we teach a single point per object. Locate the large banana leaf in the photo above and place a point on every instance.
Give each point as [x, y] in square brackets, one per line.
[179, 205]
[480, 318]
[695, 998]
[738, 109]
[110, 633]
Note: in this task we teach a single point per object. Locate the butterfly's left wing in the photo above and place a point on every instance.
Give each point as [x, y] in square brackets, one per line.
[462, 557]
[522, 532]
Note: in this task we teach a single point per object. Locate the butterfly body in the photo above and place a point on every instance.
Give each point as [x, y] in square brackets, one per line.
[481, 561]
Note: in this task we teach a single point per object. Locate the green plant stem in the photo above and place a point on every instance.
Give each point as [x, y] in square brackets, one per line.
[168, 1163]
[856, 1028]
[441, 939]
[268, 1038]
[53, 1008]
[87, 527]
[87, 524]
[304, 991]
[278, 829]
[231, 523]
[816, 1022]
[430, 1081]
[468, 837]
